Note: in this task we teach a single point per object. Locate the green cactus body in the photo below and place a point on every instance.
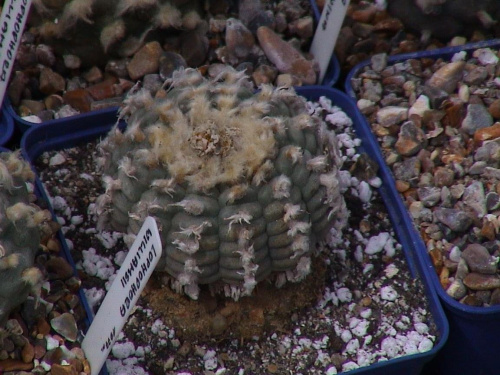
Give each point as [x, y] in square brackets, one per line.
[242, 184]
[94, 29]
[21, 225]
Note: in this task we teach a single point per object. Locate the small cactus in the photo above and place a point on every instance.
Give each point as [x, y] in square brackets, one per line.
[242, 184]
[95, 29]
[22, 224]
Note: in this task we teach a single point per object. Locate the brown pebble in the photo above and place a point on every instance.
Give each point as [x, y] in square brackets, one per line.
[93, 75]
[388, 24]
[59, 267]
[437, 258]
[264, 74]
[285, 57]
[272, 368]
[487, 133]
[76, 364]
[10, 364]
[495, 297]
[488, 230]
[79, 99]
[364, 14]
[57, 369]
[39, 351]
[494, 109]
[86, 366]
[34, 106]
[51, 82]
[402, 186]
[447, 77]
[145, 61]
[104, 89]
[477, 281]
[28, 353]
[53, 102]
[444, 278]
[365, 226]
[184, 349]
[43, 327]
[366, 301]
[53, 245]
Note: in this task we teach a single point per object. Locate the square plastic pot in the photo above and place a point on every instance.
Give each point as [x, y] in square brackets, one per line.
[6, 127]
[56, 136]
[474, 338]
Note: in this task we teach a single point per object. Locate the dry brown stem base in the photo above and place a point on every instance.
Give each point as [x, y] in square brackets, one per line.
[269, 309]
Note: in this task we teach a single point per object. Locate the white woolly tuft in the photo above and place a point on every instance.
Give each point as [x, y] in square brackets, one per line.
[195, 230]
[291, 212]
[191, 206]
[127, 167]
[166, 186]
[318, 163]
[295, 153]
[298, 227]
[187, 246]
[281, 187]
[9, 261]
[239, 218]
[262, 173]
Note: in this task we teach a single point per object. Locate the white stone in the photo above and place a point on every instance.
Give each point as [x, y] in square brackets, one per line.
[348, 366]
[123, 350]
[57, 159]
[459, 56]
[420, 106]
[344, 295]
[361, 328]
[391, 115]
[365, 192]
[376, 243]
[332, 370]
[485, 56]
[388, 293]
[32, 118]
[425, 345]
[455, 254]
[346, 336]
[390, 346]
[364, 104]
[352, 346]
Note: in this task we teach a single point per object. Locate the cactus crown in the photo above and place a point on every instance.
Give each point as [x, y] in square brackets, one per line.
[241, 184]
[216, 136]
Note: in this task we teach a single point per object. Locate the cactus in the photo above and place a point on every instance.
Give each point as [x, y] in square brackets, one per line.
[242, 184]
[22, 225]
[95, 29]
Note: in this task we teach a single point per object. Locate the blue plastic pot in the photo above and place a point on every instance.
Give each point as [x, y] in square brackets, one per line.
[56, 136]
[474, 339]
[6, 127]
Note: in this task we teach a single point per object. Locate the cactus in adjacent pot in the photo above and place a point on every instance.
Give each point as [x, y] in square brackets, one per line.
[242, 184]
[94, 29]
[22, 224]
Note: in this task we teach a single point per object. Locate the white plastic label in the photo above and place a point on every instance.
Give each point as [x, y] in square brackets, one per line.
[115, 309]
[12, 21]
[327, 33]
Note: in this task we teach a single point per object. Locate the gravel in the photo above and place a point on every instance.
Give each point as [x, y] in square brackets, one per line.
[442, 148]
